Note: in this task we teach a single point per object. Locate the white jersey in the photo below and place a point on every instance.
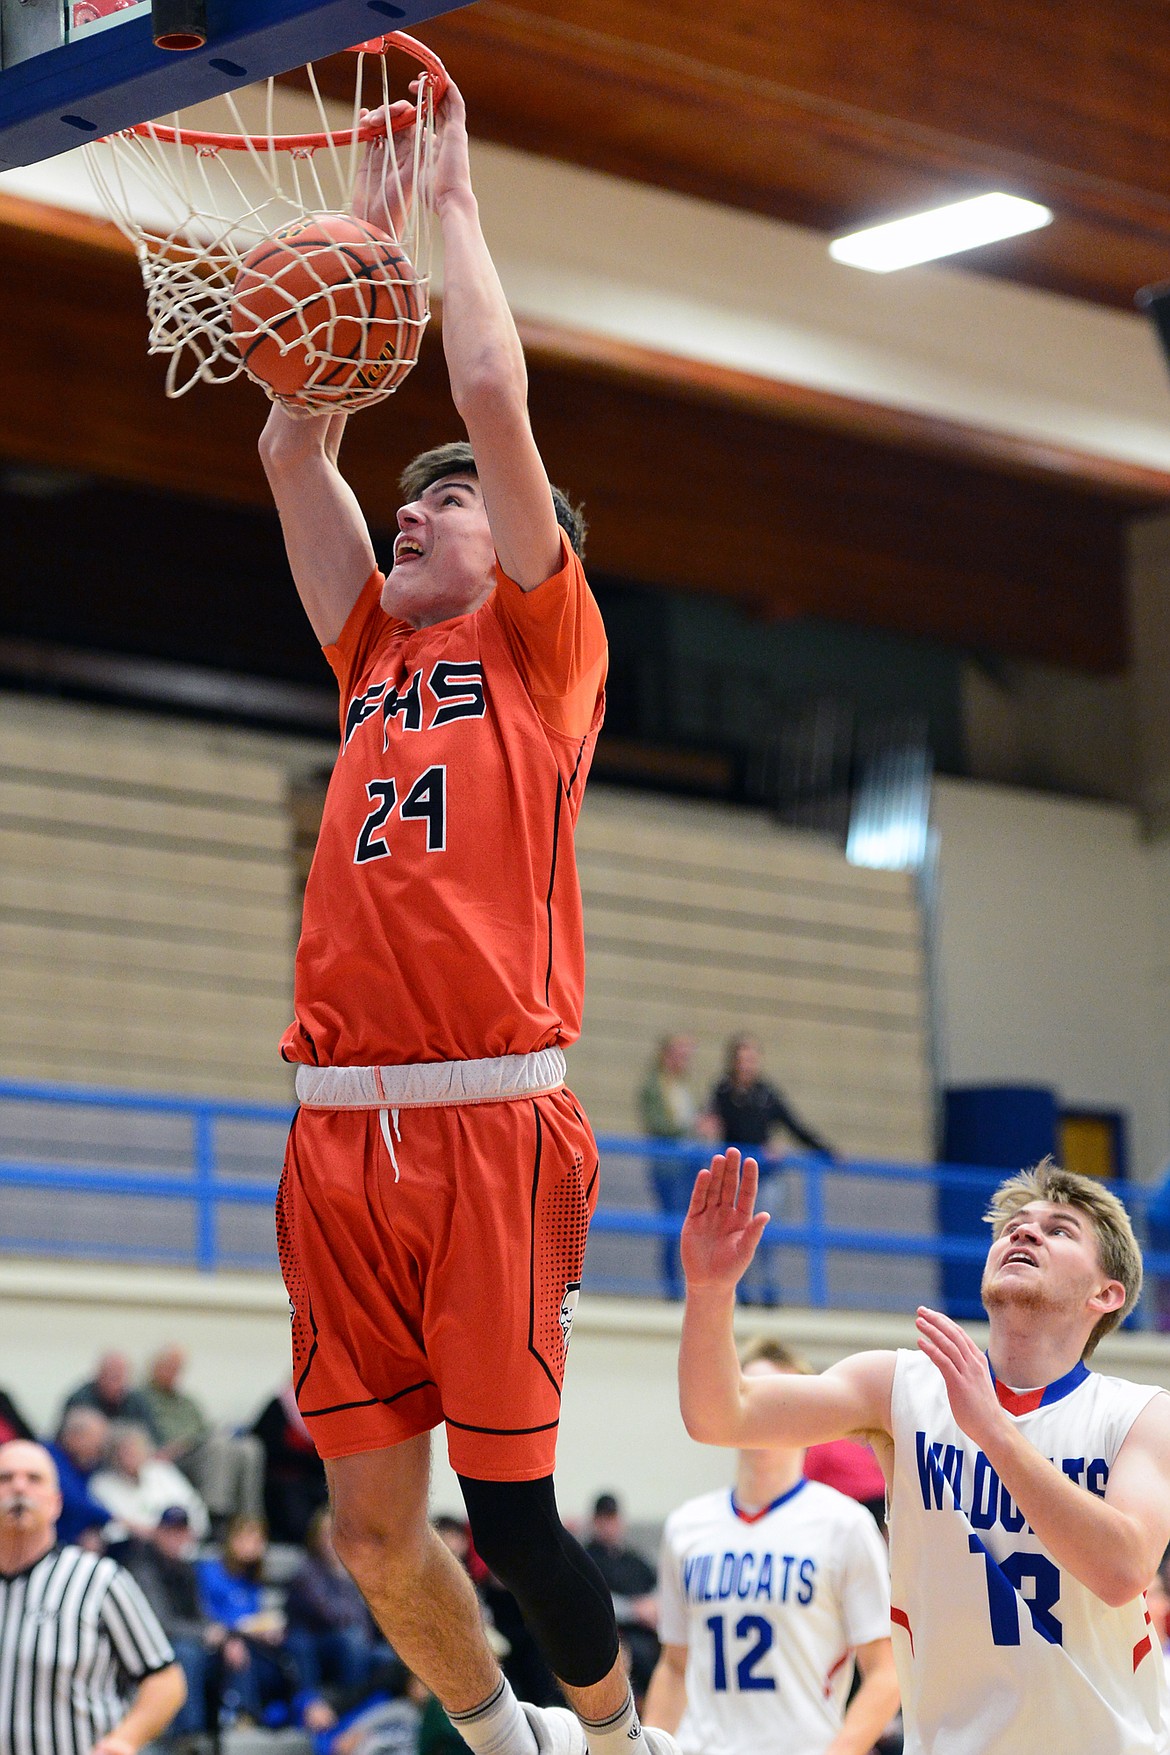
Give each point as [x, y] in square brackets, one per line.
[999, 1651]
[770, 1607]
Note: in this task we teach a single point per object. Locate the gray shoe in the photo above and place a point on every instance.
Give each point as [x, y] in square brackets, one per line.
[557, 1731]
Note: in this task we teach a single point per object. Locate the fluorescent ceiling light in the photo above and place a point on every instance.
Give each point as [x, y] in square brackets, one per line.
[923, 237]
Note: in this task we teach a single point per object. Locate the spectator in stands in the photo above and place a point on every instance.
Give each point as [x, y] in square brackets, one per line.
[164, 1569]
[226, 1467]
[248, 1635]
[632, 1581]
[79, 1451]
[330, 1637]
[112, 1393]
[294, 1475]
[12, 1422]
[669, 1110]
[409, 1722]
[745, 1110]
[666, 1102]
[137, 1486]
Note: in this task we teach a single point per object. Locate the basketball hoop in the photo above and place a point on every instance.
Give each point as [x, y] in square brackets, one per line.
[196, 201]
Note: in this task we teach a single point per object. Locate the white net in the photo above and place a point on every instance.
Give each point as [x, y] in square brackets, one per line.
[302, 259]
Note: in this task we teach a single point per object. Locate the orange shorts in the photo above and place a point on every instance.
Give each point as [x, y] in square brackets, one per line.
[442, 1290]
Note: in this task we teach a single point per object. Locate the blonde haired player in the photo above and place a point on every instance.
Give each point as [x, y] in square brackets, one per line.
[767, 1593]
[1029, 1496]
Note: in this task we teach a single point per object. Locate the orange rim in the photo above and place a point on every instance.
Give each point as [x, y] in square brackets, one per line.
[373, 129]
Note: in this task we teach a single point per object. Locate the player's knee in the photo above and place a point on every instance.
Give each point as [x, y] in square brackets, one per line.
[519, 1535]
[381, 1552]
[514, 1525]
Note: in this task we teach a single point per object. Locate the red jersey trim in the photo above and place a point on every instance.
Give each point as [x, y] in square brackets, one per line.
[843, 1659]
[1028, 1400]
[757, 1516]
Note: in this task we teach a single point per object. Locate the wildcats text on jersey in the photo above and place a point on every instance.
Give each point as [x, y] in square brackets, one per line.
[948, 1484]
[773, 1578]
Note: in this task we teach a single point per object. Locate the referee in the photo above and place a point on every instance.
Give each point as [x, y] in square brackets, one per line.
[77, 1636]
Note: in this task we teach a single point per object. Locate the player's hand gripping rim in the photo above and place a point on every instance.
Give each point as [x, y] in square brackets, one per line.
[381, 197]
[379, 193]
[722, 1229]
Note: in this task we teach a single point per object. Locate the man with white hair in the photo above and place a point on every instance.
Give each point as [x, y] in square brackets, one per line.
[138, 1486]
[85, 1668]
[225, 1468]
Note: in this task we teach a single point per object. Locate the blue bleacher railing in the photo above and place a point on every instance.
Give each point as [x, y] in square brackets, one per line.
[191, 1181]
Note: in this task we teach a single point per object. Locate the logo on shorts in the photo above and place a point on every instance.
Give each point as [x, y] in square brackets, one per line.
[292, 1311]
[569, 1310]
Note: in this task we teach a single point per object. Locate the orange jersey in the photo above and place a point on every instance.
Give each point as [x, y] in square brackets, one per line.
[442, 916]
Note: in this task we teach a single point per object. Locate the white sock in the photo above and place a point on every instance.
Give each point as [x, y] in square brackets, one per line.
[497, 1726]
[619, 1734]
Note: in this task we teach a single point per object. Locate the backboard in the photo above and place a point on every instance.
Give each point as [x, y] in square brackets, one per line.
[73, 70]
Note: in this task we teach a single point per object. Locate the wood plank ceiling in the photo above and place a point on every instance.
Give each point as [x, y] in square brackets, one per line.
[787, 510]
[822, 116]
[833, 116]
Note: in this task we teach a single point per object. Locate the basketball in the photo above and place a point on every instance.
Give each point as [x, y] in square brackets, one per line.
[328, 304]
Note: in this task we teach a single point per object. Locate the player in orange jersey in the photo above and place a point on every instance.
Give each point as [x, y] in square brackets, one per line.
[440, 1178]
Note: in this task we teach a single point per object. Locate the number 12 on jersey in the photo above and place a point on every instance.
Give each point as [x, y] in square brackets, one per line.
[748, 1628]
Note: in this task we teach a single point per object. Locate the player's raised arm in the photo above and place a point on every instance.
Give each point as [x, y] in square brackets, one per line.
[719, 1404]
[325, 532]
[485, 363]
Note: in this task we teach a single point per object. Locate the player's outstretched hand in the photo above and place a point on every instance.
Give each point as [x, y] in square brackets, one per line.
[722, 1228]
[970, 1390]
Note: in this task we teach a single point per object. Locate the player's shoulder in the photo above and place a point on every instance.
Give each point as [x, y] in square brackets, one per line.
[912, 1373]
[700, 1513]
[1123, 1388]
[818, 1499]
[1121, 1404]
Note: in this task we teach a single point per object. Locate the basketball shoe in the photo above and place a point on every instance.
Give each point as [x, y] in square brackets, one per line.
[560, 1732]
[557, 1731]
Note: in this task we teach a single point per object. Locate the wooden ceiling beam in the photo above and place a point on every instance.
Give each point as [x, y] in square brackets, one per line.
[833, 117]
[790, 503]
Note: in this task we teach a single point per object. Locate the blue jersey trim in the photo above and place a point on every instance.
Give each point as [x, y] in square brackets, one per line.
[1054, 1392]
[758, 1516]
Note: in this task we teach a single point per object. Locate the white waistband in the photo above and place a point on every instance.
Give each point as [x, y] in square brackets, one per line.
[431, 1083]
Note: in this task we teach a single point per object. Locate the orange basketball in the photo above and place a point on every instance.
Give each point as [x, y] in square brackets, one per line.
[327, 304]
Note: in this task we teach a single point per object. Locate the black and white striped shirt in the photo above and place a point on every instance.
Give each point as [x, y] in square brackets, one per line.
[76, 1634]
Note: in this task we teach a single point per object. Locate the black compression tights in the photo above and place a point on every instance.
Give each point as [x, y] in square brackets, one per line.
[519, 1536]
